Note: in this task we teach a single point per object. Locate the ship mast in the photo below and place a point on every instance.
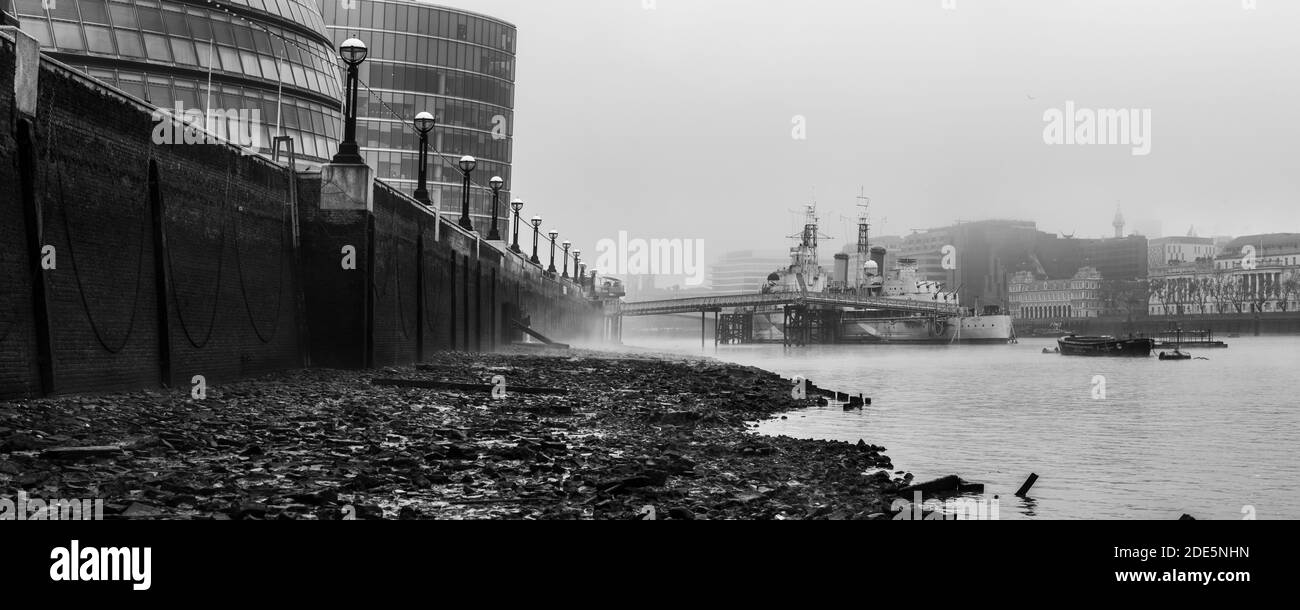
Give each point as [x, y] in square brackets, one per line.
[864, 226]
[804, 255]
[864, 232]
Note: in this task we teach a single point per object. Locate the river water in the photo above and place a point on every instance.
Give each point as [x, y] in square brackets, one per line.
[1210, 438]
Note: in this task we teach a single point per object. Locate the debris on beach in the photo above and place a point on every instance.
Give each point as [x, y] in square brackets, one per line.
[599, 436]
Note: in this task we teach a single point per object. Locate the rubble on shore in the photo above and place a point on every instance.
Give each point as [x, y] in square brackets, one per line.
[608, 436]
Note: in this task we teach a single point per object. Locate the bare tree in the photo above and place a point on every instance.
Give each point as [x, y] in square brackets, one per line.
[1288, 288]
[1160, 288]
[1203, 292]
[1235, 292]
[1266, 290]
[1221, 286]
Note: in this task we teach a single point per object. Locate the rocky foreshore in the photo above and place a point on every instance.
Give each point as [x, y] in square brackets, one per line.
[578, 435]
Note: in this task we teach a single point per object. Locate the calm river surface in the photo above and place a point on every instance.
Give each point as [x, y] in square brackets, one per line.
[1204, 437]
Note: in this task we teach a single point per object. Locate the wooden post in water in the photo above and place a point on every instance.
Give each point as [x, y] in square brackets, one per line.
[1024, 489]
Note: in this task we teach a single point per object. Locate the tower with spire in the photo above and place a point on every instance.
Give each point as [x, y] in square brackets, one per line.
[1118, 223]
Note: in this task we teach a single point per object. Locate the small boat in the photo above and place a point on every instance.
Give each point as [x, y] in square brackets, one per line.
[1054, 330]
[1105, 346]
[1177, 355]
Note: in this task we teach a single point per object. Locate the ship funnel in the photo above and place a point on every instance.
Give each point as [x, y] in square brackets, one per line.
[878, 257]
[841, 277]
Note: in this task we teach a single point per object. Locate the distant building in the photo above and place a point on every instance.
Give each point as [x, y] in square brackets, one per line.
[1173, 251]
[1032, 298]
[986, 253]
[456, 64]
[745, 271]
[1251, 274]
[989, 252]
[1119, 258]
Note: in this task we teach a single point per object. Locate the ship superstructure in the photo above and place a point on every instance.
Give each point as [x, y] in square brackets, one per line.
[862, 273]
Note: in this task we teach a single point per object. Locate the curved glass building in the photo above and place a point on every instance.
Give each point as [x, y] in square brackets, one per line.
[273, 56]
[457, 65]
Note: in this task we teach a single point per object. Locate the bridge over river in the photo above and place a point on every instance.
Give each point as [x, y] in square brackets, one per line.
[721, 302]
[808, 318]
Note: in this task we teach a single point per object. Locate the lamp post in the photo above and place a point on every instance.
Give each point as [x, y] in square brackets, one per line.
[353, 52]
[467, 164]
[566, 244]
[516, 205]
[496, 182]
[424, 123]
[537, 223]
[577, 258]
[554, 234]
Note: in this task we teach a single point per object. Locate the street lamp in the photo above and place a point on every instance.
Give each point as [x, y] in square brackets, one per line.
[554, 234]
[353, 52]
[424, 123]
[577, 258]
[467, 164]
[496, 182]
[516, 205]
[537, 223]
[566, 244]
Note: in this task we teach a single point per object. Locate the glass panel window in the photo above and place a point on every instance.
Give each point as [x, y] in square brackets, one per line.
[188, 97]
[269, 67]
[222, 33]
[159, 95]
[200, 29]
[29, 7]
[100, 40]
[150, 19]
[176, 24]
[68, 36]
[157, 47]
[249, 63]
[135, 88]
[128, 42]
[229, 59]
[123, 15]
[202, 53]
[262, 41]
[183, 50]
[63, 10]
[94, 11]
[243, 37]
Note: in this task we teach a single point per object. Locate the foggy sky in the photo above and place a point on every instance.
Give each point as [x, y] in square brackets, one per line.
[676, 122]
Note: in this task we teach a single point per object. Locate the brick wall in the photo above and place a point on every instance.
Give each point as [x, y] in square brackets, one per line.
[18, 373]
[178, 260]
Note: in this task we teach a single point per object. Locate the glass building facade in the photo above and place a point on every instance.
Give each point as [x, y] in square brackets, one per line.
[458, 66]
[7, 16]
[273, 56]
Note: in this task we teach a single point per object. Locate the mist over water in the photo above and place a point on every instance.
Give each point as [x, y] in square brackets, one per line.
[1202, 437]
